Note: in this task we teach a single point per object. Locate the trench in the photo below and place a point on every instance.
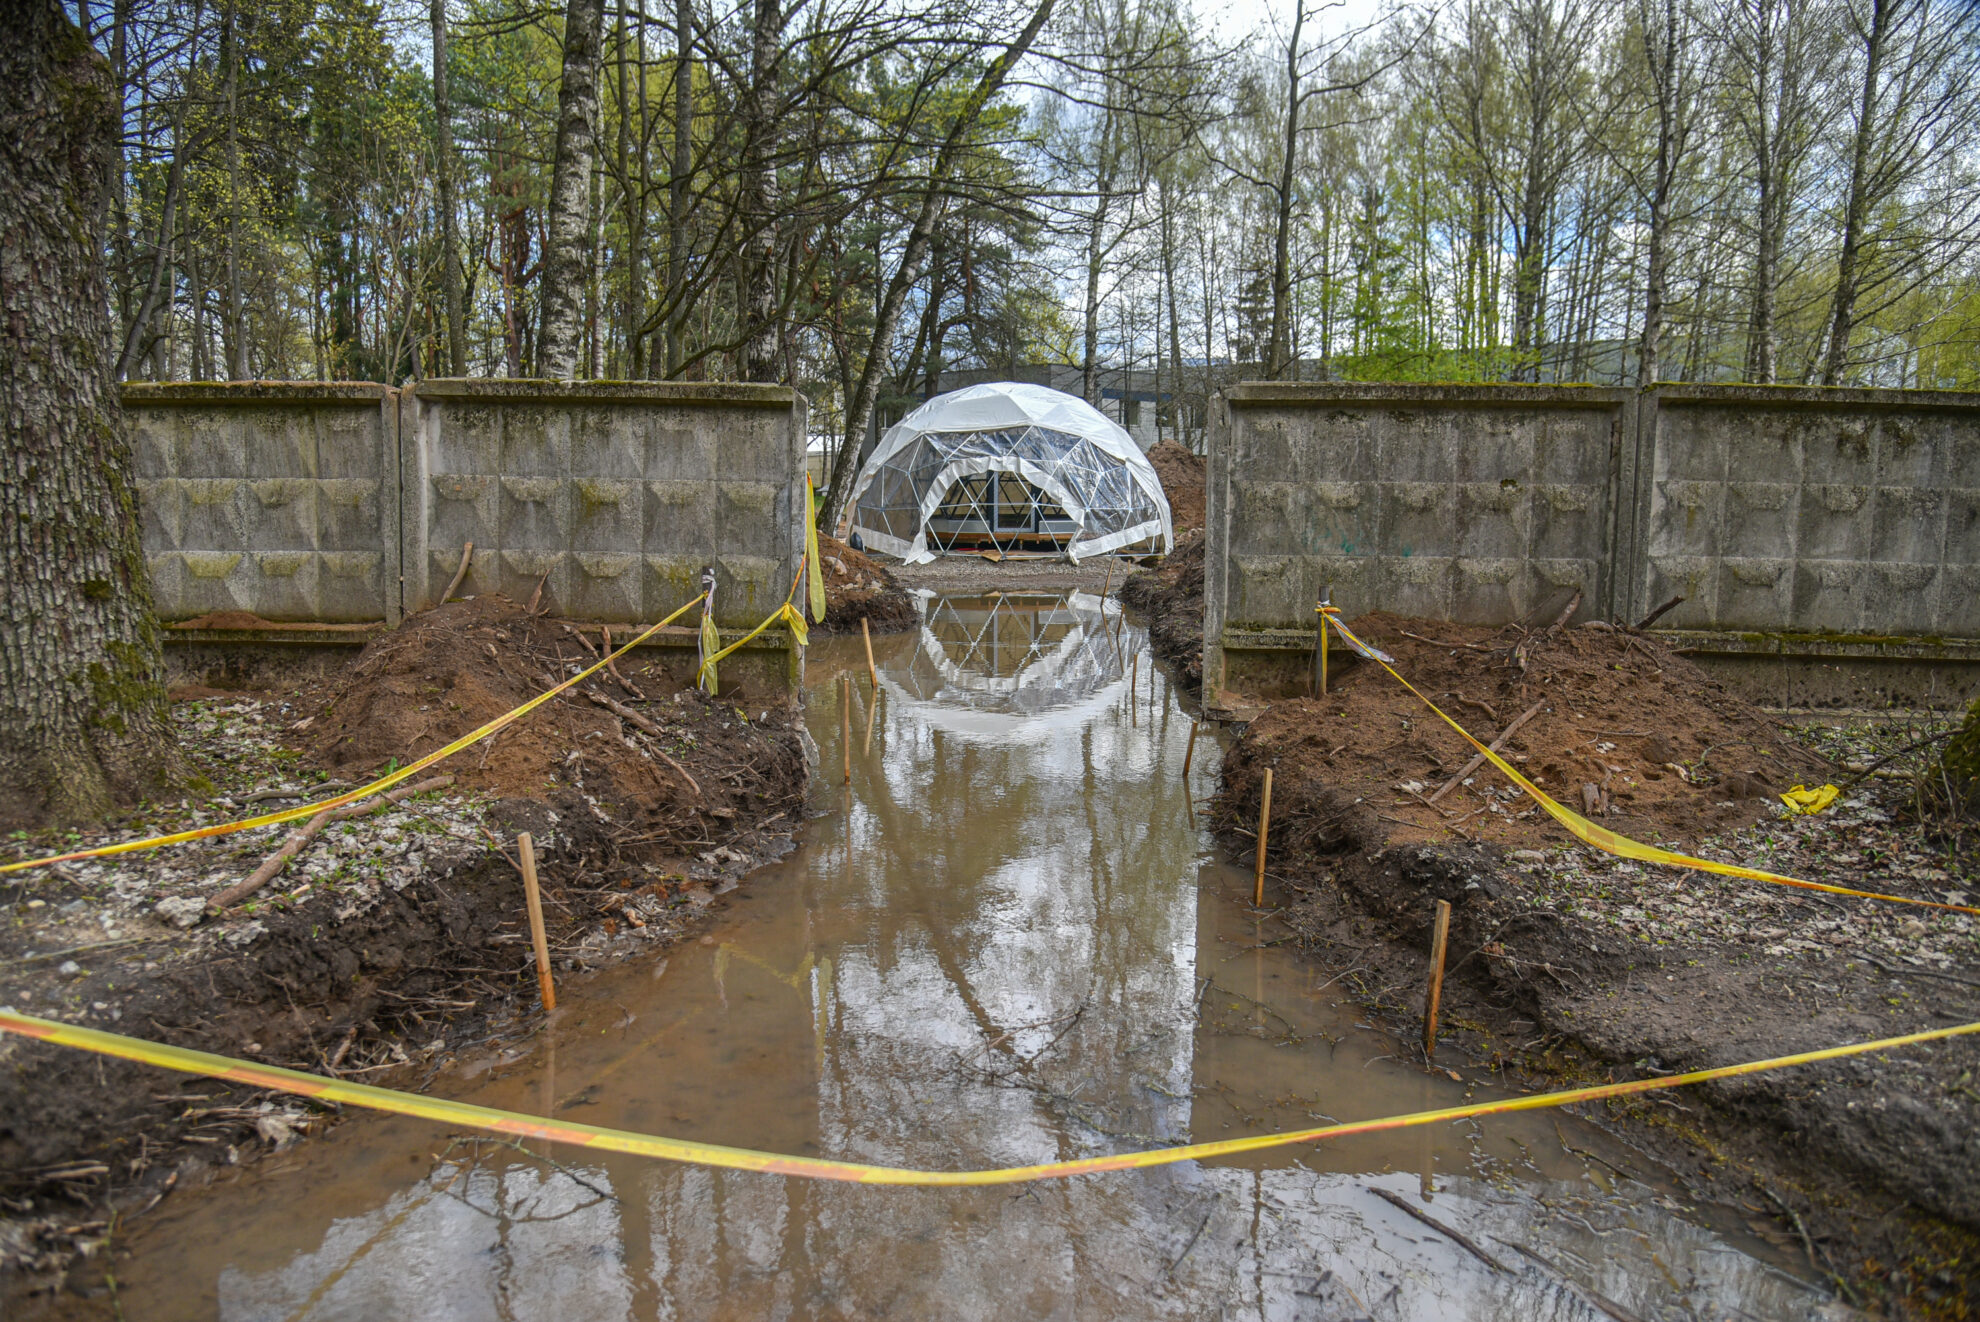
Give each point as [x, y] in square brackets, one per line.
[1007, 941]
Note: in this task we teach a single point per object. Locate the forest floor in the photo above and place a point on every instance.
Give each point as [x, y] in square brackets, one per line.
[1568, 965]
[390, 943]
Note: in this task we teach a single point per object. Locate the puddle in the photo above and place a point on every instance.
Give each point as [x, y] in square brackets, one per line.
[1004, 943]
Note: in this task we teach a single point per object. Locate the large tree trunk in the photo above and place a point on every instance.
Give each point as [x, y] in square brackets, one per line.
[1278, 353]
[758, 358]
[567, 256]
[680, 176]
[83, 720]
[443, 169]
[1842, 309]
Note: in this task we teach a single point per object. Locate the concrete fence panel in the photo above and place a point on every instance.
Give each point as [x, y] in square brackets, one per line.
[1474, 503]
[613, 495]
[277, 499]
[1826, 542]
[321, 509]
[1846, 512]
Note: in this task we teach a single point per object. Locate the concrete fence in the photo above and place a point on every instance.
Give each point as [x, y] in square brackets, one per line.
[312, 516]
[1826, 542]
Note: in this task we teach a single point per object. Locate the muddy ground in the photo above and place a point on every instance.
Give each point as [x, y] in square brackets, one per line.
[391, 942]
[1170, 597]
[1182, 475]
[1567, 964]
[858, 587]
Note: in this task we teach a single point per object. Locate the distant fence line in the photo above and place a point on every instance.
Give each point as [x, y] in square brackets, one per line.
[349, 503]
[1826, 542]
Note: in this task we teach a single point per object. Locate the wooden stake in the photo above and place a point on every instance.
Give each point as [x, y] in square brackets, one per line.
[845, 722]
[1264, 827]
[1439, 936]
[1189, 752]
[1109, 584]
[1323, 656]
[534, 899]
[1134, 673]
[866, 636]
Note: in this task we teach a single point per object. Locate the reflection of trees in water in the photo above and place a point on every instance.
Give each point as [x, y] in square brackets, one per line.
[992, 960]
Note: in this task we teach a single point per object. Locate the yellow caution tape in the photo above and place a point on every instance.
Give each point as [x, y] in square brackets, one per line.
[1607, 840]
[790, 616]
[600, 1139]
[814, 569]
[1808, 802]
[382, 783]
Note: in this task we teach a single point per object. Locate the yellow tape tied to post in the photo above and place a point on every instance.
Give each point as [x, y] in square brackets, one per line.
[1601, 837]
[599, 1139]
[364, 791]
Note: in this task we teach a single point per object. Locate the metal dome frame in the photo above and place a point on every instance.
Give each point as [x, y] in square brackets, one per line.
[1103, 492]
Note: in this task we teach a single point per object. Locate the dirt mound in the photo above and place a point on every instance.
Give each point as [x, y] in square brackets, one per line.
[1171, 595]
[1182, 475]
[858, 587]
[1622, 730]
[450, 670]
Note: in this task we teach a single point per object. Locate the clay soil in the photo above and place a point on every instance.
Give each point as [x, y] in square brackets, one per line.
[1182, 475]
[858, 587]
[387, 964]
[1171, 597]
[1569, 965]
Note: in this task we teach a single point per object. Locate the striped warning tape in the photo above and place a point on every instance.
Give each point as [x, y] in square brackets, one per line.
[599, 1139]
[1601, 837]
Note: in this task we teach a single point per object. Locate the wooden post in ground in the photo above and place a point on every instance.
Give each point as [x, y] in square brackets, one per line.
[534, 900]
[1189, 752]
[1134, 674]
[1106, 587]
[1264, 828]
[846, 722]
[1320, 640]
[1440, 935]
[866, 636]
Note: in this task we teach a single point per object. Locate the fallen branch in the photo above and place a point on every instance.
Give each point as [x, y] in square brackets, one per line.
[293, 845]
[1913, 747]
[454, 583]
[1659, 613]
[1470, 647]
[633, 718]
[260, 796]
[612, 667]
[1456, 1237]
[1478, 760]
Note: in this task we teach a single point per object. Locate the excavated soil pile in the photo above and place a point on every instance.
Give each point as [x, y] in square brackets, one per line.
[453, 669]
[1622, 730]
[1182, 475]
[858, 587]
[1172, 598]
[641, 812]
[1573, 965]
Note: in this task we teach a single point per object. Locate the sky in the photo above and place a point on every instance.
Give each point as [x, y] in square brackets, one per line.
[1231, 20]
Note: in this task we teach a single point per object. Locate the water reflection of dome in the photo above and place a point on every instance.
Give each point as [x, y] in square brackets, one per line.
[984, 663]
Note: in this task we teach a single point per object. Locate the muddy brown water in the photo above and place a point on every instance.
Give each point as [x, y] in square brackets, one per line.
[1006, 942]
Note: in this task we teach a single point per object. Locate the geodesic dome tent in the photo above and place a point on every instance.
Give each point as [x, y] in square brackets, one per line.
[1008, 464]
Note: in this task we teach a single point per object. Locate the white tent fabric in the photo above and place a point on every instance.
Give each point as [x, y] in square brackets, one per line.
[1060, 444]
